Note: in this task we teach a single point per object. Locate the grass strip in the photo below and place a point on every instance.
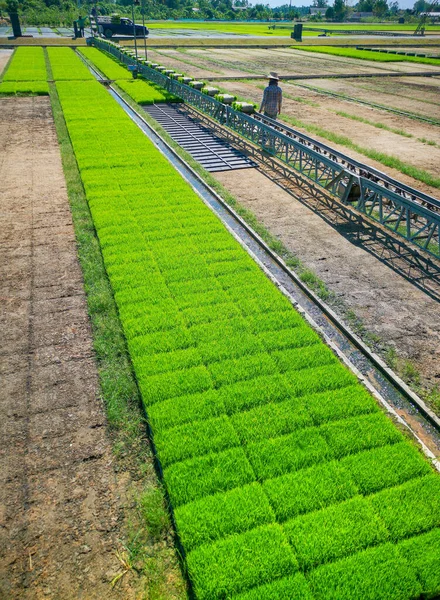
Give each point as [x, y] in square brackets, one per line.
[24, 88]
[369, 55]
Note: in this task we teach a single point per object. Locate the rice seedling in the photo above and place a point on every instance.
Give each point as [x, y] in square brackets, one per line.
[239, 562]
[24, 88]
[66, 65]
[410, 508]
[422, 552]
[374, 574]
[27, 64]
[309, 489]
[217, 516]
[293, 588]
[385, 467]
[334, 532]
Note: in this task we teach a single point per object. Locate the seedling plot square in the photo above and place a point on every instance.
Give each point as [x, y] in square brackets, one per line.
[195, 439]
[227, 372]
[360, 433]
[309, 489]
[157, 388]
[66, 65]
[215, 517]
[156, 343]
[339, 404]
[167, 362]
[374, 574]
[185, 409]
[289, 588]
[411, 508]
[208, 314]
[328, 377]
[385, 467]
[247, 394]
[422, 553]
[334, 532]
[198, 477]
[240, 562]
[303, 358]
[277, 456]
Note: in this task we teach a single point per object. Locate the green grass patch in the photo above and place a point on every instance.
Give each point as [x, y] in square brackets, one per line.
[276, 456]
[334, 532]
[214, 517]
[385, 467]
[373, 574]
[193, 479]
[195, 439]
[360, 433]
[291, 588]
[309, 489]
[240, 562]
[422, 552]
[107, 65]
[24, 88]
[26, 65]
[410, 508]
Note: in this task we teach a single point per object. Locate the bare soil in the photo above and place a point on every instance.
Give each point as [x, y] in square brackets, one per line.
[61, 502]
[390, 306]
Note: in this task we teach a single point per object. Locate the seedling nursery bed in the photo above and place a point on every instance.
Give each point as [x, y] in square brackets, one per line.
[285, 477]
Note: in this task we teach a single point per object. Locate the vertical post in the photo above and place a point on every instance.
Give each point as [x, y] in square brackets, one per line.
[134, 28]
[143, 25]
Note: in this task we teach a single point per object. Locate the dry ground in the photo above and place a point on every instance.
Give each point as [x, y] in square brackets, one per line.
[61, 503]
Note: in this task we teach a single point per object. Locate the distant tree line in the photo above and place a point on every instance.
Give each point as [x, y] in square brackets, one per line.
[62, 12]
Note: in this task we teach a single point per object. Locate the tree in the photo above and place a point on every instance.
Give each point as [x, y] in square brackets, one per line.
[380, 8]
[421, 6]
[330, 13]
[320, 3]
[394, 7]
[365, 6]
[340, 10]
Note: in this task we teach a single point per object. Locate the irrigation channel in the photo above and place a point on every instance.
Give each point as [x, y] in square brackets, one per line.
[398, 399]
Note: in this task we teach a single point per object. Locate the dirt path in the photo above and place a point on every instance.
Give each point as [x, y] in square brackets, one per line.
[390, 306]
[61, 505]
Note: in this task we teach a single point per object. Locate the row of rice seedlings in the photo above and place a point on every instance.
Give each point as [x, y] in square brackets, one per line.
[284, 475]
[25, 88]
[369, 55]
[67, 66]
[146, 92]
[109, 67]
[27, 64]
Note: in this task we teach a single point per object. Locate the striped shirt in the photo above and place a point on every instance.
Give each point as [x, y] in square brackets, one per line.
[271, 100]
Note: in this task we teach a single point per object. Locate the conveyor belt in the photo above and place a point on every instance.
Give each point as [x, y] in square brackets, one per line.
[211, 152]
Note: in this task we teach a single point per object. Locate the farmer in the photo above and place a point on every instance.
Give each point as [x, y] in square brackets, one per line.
[272, 97]
[81, 25]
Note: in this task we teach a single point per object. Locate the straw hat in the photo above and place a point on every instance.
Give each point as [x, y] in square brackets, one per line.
[273, 75]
